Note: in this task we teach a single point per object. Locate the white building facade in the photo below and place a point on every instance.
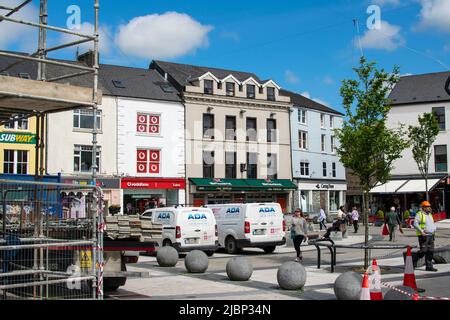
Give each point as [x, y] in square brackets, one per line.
[151, 153]
[412, 97]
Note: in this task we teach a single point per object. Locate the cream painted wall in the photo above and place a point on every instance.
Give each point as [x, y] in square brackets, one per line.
[195, 143]
[199, 88]
[62, 138]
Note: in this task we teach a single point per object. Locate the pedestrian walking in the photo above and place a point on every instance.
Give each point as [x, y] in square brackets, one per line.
[349, 218]
[299, 232]
[393, 222]
[355, 219]
[425, 231]
[322, 219]
[341, 216]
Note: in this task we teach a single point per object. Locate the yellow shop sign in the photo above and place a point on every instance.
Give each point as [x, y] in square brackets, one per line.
[17, 138]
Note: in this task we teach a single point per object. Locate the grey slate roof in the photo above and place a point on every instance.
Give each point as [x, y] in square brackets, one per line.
[183, 74]
[138, 82]
[301, 101]
[420, 89]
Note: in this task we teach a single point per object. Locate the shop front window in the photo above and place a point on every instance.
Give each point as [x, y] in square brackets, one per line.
[334, 200]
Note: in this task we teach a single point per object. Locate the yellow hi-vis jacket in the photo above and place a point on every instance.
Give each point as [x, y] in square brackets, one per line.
[423, 221]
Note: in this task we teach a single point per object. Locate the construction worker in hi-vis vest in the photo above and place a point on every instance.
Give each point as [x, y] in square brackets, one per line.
[425, 230]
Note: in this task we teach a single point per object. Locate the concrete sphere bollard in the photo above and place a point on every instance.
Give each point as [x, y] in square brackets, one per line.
[239, 269]
[291, 276]
[167, 257]
[395, 295]
[196, 262]
[348, 286]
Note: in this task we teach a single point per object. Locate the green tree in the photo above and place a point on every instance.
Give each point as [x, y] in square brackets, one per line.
[422, 138]
[366, 145]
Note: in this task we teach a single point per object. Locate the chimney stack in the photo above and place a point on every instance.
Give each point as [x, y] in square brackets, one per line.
[87, 58]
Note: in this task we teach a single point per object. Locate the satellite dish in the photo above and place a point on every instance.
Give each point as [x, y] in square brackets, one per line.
[447, 86]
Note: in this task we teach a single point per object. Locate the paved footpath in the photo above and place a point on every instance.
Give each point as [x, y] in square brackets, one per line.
[176, 283]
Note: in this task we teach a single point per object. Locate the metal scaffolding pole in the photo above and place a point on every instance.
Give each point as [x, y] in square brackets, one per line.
[95, 94]
[40, 58]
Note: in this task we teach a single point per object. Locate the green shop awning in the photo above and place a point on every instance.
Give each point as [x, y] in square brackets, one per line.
[271, 184]
[242, 184]
[219, 184]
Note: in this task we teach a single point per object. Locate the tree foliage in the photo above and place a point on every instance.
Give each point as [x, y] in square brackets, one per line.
[422, 138]
[366, 145]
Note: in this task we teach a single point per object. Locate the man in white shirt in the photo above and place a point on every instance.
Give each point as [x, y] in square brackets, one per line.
[322, 219]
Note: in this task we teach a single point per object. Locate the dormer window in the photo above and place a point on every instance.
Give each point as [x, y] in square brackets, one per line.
[208, 87]
[270, 94]
[230, 89]
[251, 91]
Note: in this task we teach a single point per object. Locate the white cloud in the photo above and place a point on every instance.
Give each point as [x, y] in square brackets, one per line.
[388, 37]
[435, 14]
[306, 94]
[328, 80]
[164, 36]
[88, 28]
[13, 34]
[291, 77]
[234, 36]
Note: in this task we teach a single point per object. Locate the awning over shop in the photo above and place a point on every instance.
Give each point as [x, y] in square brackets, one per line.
[242, 185]
[272, 184]
[389, 187]
[405, 186]
[418, 186]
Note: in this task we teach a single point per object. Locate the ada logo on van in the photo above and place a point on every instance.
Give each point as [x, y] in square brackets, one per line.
[233, 210]
[267, 210]
[197, 216]
[164, 216]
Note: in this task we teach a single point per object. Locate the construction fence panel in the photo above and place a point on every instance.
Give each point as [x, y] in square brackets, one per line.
[51, 241]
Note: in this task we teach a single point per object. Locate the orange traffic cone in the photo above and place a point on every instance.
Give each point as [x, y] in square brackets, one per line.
[375, 283]
[409, 279]
[365, 292]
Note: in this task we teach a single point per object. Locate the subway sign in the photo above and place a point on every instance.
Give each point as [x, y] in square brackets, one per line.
[17, 138]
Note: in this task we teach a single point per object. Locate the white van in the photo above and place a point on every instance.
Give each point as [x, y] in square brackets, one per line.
[258, 225]
[187, 229]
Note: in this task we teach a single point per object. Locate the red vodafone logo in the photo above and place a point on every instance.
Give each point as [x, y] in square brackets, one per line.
[154, 129]
[154, 120]
[142, 119]
[154, 156]
[142, 155]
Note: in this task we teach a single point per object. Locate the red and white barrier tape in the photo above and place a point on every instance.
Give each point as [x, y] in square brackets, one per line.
[100, 280]
[415, 296]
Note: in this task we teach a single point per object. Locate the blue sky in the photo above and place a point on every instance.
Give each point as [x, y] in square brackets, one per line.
[305, 46]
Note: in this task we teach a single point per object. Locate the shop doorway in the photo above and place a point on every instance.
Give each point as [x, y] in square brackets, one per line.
[138, 204]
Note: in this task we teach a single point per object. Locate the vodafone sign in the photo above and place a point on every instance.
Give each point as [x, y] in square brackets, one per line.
[137, 183]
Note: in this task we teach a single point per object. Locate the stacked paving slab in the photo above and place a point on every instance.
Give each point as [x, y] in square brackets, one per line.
[132, 227]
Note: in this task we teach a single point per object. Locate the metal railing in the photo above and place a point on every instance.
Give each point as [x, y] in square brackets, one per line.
[51, 241]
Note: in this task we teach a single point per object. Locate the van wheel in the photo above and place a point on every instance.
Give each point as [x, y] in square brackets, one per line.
[270, 249]
[230, 245]
[209, 253]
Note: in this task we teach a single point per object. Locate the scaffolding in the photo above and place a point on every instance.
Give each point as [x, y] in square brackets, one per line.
[25, 98]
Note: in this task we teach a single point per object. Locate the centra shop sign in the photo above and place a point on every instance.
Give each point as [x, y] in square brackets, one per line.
[17, 138]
